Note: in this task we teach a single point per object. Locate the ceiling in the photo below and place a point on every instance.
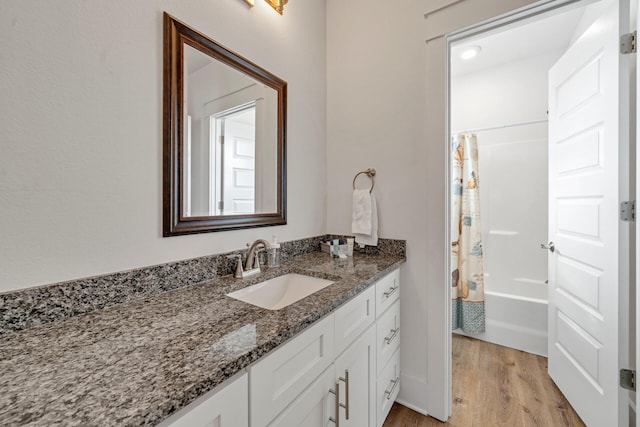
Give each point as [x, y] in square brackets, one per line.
[546, 34]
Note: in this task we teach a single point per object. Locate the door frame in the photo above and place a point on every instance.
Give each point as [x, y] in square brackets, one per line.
[499, 22]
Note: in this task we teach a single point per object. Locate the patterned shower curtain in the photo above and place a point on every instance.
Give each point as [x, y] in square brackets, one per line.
[467, 275]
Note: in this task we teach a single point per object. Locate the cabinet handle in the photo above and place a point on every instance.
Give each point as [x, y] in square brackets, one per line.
[345, 379]
[336, 420]
[394, 333]
[393, 387]
[391, 291]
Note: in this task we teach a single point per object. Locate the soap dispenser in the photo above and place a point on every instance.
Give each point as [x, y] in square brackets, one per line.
[274, 252]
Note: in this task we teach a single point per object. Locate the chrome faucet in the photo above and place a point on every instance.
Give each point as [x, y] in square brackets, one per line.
[253, 262]
[252, 265]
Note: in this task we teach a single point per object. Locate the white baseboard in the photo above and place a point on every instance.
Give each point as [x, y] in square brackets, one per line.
[412, 407]
[413, 393]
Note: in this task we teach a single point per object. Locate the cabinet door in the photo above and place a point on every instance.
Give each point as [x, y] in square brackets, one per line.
[313, 407]
[226, 406]
[282, 375]
[355, 374]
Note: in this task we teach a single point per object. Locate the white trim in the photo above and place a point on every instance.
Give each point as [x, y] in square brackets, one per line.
[447, 170]
[412, 386]
[636, 261]
[626, 235]
[499, 22]
[412, 407]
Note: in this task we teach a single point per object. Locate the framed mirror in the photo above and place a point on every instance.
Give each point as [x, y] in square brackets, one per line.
[224, 137]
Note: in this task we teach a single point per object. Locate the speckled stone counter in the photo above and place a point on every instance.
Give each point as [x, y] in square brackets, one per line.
[138, 362]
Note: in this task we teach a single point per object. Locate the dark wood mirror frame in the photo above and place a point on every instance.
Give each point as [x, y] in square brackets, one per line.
[176, 35]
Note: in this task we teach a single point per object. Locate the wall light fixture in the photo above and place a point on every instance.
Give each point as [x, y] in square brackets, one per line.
[278, 5]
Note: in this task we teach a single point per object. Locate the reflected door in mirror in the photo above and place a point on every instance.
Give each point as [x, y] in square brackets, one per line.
[231, 141]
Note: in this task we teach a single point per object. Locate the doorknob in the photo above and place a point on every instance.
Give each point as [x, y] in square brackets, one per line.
[551, 247]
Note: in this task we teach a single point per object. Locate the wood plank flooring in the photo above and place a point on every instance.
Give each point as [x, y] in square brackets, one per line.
[496, 386]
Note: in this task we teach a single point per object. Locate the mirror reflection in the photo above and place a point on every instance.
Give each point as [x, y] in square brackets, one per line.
[230, 161]
[224, 137]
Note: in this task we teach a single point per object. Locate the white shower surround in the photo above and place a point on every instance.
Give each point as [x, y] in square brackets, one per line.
[513, 192]
[515, 266]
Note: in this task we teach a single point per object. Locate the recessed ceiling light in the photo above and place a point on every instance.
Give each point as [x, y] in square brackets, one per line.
[470, 52]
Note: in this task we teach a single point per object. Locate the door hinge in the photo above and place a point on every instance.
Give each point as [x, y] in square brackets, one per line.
[629, 43]
[628, 211]
[628, 379]
[221, 205]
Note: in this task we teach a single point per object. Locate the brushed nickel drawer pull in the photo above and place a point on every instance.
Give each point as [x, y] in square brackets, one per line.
[391, 291]
[393, 387]
[394, 333]
[345, 379]
[336, 420]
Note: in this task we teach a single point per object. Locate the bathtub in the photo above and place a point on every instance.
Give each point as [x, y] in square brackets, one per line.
[517, 321]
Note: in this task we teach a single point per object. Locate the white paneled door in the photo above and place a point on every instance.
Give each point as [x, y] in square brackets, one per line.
[584, 269]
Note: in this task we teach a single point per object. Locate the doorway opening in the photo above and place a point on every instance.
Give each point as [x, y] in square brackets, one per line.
[522, 139]
[501, 97]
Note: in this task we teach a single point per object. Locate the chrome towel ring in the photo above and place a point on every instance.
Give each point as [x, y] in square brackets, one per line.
[370, 173]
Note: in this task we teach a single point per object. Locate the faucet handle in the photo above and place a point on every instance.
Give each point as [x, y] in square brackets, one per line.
[238, 273]
[256, 258]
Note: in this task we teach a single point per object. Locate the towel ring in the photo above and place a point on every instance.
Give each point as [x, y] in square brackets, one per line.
[370, 173]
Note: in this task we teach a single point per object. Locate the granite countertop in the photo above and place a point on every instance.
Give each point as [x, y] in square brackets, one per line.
[137, 363]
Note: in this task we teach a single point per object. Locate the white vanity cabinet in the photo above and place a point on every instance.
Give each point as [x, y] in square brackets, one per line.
[387, 344]
[355, 360]
[342, 371]
[353, 376]
[388, 386]
[387, 335]
[224, 406]
[355, 373]
[387, 291]
[353, 318]
[285, 389]
[313, 408]
[282, 376]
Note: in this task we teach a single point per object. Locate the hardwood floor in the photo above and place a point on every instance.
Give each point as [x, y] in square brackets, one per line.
[496, 386]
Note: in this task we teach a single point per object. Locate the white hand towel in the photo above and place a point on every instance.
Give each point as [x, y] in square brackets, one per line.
[366, 236]
[361, 218]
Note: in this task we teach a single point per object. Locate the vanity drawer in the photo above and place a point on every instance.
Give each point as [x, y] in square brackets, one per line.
[387, 388]
[280, 377]
[387, 335]
[387, 291]
[353, 318]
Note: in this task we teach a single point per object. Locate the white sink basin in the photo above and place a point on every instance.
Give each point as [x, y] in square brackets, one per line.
[281, 291]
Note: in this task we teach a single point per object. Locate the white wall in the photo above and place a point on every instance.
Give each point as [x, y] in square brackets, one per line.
[81, 123]
[376, 110]
[496, 96]
[386, 109]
